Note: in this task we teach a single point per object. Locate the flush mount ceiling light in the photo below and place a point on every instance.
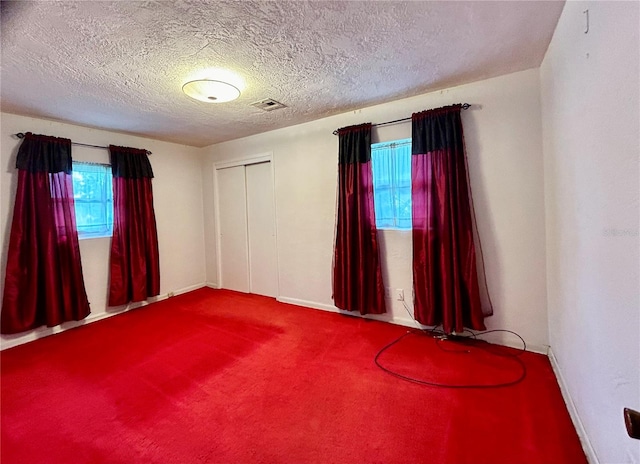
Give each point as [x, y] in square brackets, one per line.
[211, 91]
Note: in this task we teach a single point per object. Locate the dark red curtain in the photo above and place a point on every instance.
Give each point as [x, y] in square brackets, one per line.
[135, 265]
[445, 278]
[43, 282]
[357, 277]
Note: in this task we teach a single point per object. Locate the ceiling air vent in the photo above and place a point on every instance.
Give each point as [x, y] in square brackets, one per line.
[268, 105]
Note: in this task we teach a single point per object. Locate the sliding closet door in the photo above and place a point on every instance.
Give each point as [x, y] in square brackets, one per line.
[234, 252]
[262, 230]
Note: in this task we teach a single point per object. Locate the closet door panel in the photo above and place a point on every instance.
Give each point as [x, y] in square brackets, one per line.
[261, 230]
[234, 257]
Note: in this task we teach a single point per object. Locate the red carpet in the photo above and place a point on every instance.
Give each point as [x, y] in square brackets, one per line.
[218, 376]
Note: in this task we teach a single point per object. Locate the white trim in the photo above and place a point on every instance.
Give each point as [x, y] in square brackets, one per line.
[333, 309]
[272, 165]
[246, 227]
[404, 321]
[244, 161]
[216, 223]
[539, 349]
[307, 304]
[573, 411]
[188, 289]
[9, 341]
[266, 157]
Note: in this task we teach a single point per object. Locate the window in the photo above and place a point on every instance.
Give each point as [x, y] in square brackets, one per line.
[93, 197]
[391, 165]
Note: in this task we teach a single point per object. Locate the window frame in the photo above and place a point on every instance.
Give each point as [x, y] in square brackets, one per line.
[394, 185]
[104, 229]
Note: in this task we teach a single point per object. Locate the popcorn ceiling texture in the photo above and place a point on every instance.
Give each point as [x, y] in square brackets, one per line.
[121, 65]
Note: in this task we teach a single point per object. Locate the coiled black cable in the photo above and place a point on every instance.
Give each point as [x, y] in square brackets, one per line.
[438, 335]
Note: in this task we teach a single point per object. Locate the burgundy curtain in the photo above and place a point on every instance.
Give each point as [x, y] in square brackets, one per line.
[43, 282]
[445, 278]
[357, 277]
[135, 265]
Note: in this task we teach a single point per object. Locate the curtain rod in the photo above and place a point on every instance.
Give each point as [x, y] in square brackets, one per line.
[465, 106]
[20, 135]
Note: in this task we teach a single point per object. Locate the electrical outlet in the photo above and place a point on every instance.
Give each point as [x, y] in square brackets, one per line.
[387, 293]
[399, 294]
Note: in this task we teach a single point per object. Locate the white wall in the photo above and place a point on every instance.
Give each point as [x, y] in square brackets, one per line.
[504, 144]
[591, 149]
[177, 190]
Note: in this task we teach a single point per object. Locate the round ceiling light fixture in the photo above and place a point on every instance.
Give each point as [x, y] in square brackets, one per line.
[211, 91]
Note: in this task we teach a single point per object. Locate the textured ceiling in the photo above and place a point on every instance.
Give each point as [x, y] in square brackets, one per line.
[121, 65]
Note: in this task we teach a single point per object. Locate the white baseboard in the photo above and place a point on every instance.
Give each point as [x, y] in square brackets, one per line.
[404, 321]
[9, 341]
[307, 304]
[333, 309]
[517, 344]
[188, 289]
[573, 412]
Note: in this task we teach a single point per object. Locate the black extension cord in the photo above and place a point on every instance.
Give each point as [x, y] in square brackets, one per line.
[458, 339]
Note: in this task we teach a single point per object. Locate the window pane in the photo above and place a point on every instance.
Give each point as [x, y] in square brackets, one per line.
[391, 164]
[93, 196]
[383, 201]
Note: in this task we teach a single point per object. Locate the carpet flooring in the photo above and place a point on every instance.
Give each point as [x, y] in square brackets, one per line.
[215, 376]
